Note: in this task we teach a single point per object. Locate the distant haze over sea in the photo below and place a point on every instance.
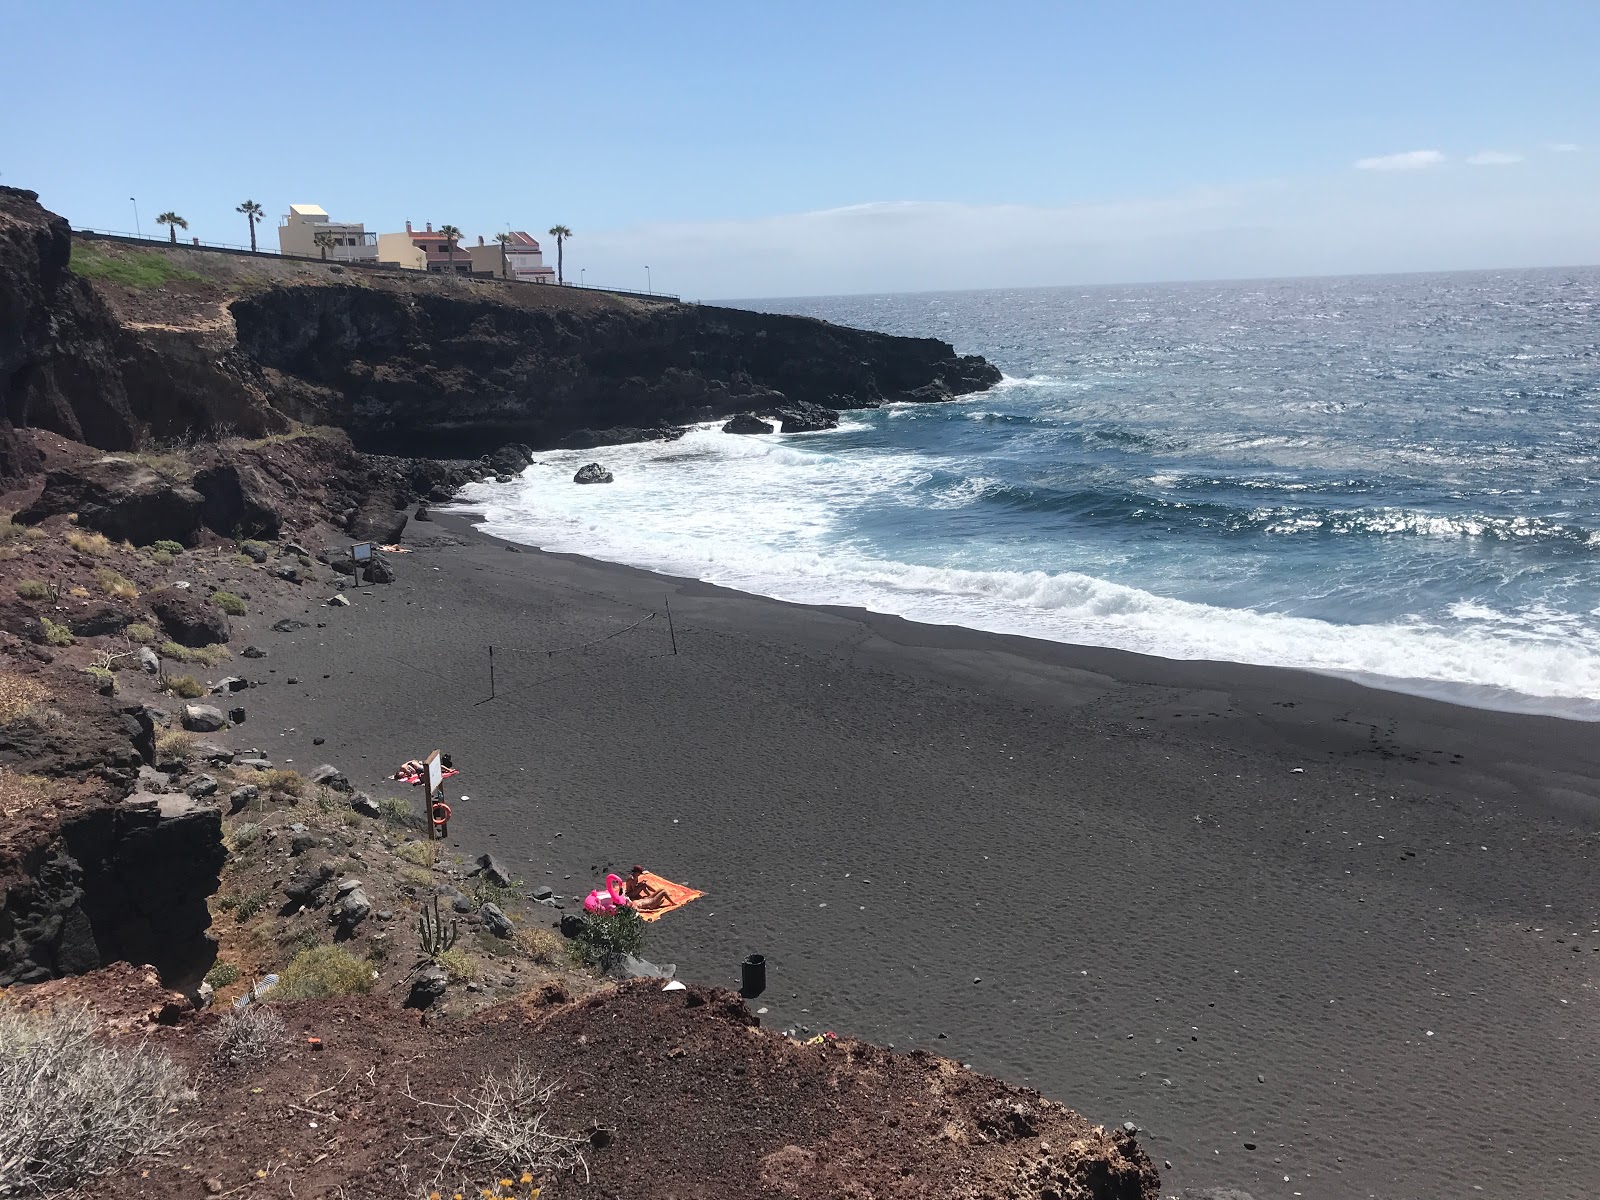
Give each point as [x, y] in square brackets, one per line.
[1395, 478]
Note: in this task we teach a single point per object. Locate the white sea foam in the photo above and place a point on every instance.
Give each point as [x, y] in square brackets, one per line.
[762, 514]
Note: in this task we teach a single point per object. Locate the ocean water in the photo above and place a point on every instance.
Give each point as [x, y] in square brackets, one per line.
[1390, 478]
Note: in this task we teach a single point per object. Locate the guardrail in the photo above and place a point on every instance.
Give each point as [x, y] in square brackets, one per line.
[166, 243]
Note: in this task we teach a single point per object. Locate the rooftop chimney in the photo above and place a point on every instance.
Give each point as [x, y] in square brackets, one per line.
[408, 226]
[430, 226]
[480, 239]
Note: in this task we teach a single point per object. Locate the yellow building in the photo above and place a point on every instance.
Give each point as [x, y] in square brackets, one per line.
[348, 241]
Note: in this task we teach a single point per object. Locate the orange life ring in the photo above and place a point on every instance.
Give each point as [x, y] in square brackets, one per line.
[441, 813]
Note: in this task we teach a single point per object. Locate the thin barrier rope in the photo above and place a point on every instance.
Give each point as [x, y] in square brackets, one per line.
[550, 653]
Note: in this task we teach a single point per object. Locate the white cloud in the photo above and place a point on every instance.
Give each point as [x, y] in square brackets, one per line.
[1411, 160]
[1493, 158]
[1563, 147]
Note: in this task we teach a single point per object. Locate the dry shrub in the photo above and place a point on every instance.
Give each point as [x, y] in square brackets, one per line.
[420, 853]
[115, 584]
[229, 603]
[287, 783]
[247, 1036]
[460, 966]
[11, 533]
[19, 793]
[542, 945]
[86, 542]
[399, 811]
[36, 590]
[501, 1127]
[209, 655]
[18, 695]
[176, 743]
[75, 1106]
[141, 633]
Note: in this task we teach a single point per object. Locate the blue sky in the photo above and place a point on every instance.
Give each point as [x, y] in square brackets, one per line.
[784, 148]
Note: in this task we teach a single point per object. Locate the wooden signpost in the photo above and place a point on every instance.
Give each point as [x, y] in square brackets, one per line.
[360, 553]
[438, 811]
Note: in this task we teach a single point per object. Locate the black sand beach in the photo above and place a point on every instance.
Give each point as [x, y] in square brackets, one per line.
[1315, 939]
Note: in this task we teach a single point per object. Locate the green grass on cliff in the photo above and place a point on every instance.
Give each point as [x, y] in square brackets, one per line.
[133, 268]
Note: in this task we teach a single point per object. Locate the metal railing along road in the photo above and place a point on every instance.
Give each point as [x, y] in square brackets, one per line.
[167, 243]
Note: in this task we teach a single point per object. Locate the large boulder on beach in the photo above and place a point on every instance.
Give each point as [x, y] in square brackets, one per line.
[747, 423]
[511, 459]
[125, 500]
[592, 473]
[203, 718]
[377, 523]
[188, 619]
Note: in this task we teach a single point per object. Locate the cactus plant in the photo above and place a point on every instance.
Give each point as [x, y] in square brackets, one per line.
[435, 936]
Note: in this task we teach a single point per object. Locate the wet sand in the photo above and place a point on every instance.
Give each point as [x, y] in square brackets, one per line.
[1288, 925]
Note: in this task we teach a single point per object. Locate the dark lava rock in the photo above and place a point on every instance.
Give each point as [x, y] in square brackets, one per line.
[254, 651]
[377, 523]
[511, 459]
[188, 619]
[301, 842]
[365, 805]
[203, 718]
[352, 908]
[329, 776]
[493, 871]
[236, 715]
[421, 514]
[99, 621]
[543, 893]
[377, 569]
[499, 924]
[287, 625]
[804, 417]
[747, 423]
[311, 884]
[572, 925]
[254, 551]
[242, 797]
[237, 501]
[592, 473]
[202, 786]
[121, 499]
[429, 985]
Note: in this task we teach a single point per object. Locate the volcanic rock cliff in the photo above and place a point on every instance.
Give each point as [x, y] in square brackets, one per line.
[111, 344]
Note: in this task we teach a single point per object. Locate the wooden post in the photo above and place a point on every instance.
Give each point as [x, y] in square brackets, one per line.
[671, 632]
[491, 672]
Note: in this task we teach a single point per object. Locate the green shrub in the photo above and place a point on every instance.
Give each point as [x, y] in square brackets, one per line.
[161, 558]
[605, 939]
[243, 836]
[322, 972]
[55, 633]
[420, 853]
[176, 743]
[222, 974]
[458, 965]
[228, 603]
[398, 811]
[141, 633]
[11, 532]
[186, 686]
[249, 904]
[208, 655]
[103, 677]
[34, 589]
[167, 546]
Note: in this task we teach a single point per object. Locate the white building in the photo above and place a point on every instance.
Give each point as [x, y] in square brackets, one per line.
[519, 258]
[349, 241]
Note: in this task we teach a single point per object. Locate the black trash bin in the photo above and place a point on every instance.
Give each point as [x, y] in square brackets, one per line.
[753, 976]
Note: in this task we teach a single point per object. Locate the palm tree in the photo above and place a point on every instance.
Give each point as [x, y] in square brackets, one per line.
[323, 241]
[173, 222]
[451, 236]
[505, 240]
[253, 212]
[561, 233]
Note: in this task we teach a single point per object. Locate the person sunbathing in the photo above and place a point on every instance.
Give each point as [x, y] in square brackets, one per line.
[645, 896]
[410, 769]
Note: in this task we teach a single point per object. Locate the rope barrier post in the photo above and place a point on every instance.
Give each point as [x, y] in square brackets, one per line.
[671, 632]
[491, 672]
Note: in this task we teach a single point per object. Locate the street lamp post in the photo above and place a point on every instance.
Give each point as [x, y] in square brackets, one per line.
[581, 271]
[649, 287]
[136, 228]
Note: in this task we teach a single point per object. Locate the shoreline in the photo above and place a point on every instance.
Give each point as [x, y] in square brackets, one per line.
[1227, 903]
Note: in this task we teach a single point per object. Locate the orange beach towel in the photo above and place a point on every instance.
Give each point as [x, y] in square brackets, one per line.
[677, 896]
